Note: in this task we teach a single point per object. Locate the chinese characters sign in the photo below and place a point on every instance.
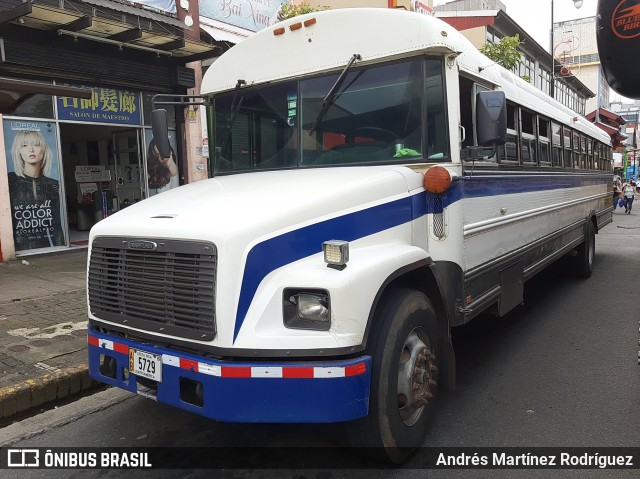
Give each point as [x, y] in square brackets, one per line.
[106, 105]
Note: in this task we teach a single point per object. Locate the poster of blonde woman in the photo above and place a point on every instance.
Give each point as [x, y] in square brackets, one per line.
[34, 188]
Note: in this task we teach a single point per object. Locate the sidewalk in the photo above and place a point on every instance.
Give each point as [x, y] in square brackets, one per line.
[43, 330]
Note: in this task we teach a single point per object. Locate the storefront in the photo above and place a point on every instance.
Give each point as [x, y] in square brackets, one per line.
[70, 162]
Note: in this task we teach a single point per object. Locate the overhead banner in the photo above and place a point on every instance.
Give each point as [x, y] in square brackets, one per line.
[164, 5]
[106, 105]
[252, 15]
[34, 188]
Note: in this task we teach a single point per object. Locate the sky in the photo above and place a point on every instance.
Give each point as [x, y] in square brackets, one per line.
[534, 16]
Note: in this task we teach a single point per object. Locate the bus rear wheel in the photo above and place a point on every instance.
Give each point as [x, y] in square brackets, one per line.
[583, 261]
[404, 377]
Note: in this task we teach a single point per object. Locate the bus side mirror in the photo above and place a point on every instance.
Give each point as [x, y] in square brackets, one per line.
[491, 118]
[617, 34]
[160, 129]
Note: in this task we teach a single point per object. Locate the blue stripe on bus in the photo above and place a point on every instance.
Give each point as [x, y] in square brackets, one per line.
[281, 250]
[479, 186]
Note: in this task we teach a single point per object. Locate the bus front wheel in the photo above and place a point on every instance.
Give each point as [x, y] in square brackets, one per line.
[404, 376]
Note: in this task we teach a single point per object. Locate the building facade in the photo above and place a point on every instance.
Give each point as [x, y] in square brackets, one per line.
[630, 112]
[576, 50]
[67, 162]
[486, 21]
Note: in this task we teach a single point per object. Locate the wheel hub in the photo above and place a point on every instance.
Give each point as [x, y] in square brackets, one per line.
[416, 377]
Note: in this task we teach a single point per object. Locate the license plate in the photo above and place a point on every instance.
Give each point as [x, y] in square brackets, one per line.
[145, 364]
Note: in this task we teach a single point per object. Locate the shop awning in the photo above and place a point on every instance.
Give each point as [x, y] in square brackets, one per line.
[223, 32]
[109, 21]
[617, 137]
[13, 92]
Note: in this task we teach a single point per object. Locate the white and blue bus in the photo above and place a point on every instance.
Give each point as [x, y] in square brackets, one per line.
[376, 181]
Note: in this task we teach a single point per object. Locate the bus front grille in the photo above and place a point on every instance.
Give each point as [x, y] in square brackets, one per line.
[156, 285]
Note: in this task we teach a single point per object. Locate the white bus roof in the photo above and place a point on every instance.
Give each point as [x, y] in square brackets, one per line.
[373, 33]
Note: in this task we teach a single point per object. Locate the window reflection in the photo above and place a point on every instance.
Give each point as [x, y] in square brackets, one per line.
[376, 115]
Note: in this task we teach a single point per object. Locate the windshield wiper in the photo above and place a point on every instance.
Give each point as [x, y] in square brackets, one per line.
[233, 113]
[332, 95]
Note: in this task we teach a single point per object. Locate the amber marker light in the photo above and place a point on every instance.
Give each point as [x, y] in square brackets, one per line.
[278, 31]
[437, 180]
[295, 26]
[308, 23]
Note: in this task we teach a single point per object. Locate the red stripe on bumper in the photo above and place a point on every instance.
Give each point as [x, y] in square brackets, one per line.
[301, 373]
[120, 348]
[189, 364]
[92, 340]
[355, 370]
[233, 372]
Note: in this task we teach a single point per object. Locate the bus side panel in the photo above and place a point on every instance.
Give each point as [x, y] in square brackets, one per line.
[516, 226]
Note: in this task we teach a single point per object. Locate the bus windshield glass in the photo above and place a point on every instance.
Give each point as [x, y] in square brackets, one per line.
[388, 113]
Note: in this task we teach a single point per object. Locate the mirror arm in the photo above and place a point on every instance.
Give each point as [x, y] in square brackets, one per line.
[472, 153]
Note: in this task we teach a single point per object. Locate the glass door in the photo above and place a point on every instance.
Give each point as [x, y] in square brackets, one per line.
[128, 165]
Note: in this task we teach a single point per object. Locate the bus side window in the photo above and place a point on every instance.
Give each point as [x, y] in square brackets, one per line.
[511, 146]
[577, 163]
[528, 136]
[544, 136]
[466, 111]
[568, 154]
[556, 139]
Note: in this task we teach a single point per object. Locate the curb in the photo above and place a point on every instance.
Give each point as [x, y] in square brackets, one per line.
[47, 388]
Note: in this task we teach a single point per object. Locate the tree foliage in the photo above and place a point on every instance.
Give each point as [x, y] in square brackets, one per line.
[289, 11]
[505, 52]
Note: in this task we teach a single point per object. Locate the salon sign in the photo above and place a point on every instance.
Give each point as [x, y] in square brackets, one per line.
[106, 105]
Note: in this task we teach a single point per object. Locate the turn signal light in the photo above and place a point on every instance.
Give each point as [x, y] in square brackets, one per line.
[437, 180]
[279, 31]
[295, 26]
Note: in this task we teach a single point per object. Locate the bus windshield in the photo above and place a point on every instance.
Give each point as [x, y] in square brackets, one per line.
[388, 113]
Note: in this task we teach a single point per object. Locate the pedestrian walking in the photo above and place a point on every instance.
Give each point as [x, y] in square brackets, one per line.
[617, 193]
[628, 192]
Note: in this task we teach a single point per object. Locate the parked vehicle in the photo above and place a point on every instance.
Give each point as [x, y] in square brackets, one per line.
[370, 191]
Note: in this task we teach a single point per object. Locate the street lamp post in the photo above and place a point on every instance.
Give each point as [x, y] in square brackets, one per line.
[577, 4]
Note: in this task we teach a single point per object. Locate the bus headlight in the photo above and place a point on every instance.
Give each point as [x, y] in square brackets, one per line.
[306, 309]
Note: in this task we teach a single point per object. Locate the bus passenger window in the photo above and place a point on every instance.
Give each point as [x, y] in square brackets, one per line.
[556, 139]
[568, 154]
[577, 163]
[544, 141]
[528, 137]
[511, 146]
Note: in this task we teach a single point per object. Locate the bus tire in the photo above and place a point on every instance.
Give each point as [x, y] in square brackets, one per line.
[586, 252]
[404, 377]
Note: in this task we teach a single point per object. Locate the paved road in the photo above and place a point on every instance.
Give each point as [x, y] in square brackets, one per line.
[559, 371]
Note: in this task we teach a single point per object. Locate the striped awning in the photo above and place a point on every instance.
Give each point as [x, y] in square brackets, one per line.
[223, 32]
